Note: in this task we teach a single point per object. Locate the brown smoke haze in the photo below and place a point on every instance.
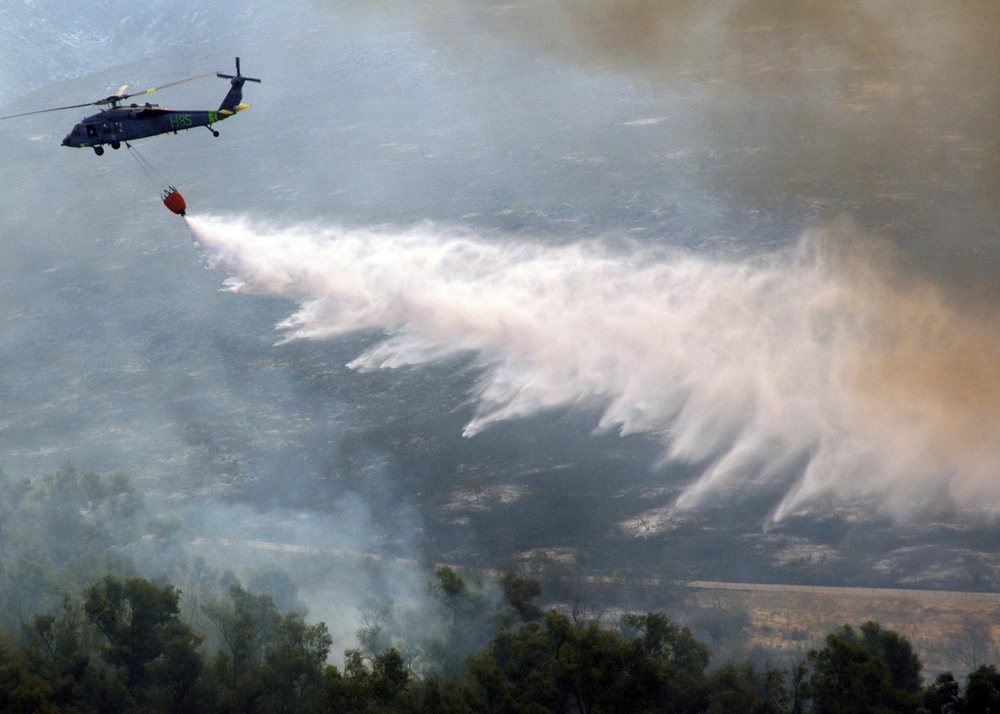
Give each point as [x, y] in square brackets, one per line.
[886, 111]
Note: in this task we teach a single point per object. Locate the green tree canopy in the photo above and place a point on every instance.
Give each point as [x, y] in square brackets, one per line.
[144, 636]
[874, 670]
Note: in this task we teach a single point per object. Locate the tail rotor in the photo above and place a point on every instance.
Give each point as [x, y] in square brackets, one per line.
[238, 76]
[233, 101]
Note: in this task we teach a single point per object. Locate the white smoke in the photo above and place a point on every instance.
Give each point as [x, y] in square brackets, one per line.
[814, 370]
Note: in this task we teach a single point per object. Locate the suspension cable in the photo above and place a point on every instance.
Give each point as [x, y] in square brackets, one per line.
[147, 168]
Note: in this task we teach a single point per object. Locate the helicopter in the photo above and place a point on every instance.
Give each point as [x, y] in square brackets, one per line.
[116, 124]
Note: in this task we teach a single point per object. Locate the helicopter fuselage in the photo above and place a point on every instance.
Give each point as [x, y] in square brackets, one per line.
[119, 124]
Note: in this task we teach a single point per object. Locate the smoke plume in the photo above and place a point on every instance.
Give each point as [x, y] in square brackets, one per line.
[816, 371]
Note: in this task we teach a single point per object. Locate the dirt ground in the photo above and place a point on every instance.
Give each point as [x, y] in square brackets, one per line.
[950, 631]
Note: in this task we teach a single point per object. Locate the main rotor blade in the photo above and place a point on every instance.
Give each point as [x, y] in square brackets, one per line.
[122, 97]
[112, 99]
[54, 109]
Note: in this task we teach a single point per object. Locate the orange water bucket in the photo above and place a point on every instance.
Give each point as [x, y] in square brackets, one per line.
[173, 200]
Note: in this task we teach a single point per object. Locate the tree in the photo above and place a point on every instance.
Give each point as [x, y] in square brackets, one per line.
[269, 579]
[982, 690]
[846, 678]
[518, 592]
[942, 696]
[271, 661]
[799, 693]
[22, 692]
[455, 620]
[144, 635]
[897, 653]
[382, 687]
[972, 643]
[29, 583]
[292, 672]
[457, 601]
[87, 513]
[556, 665]
[246, 624]
[60, 533]
[740, 689]
[667, 641]
[870, 670]
[55, 649]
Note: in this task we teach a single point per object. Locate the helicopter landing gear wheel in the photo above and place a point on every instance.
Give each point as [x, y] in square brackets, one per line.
[99, 150]
[116, 145]
[215, 133]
